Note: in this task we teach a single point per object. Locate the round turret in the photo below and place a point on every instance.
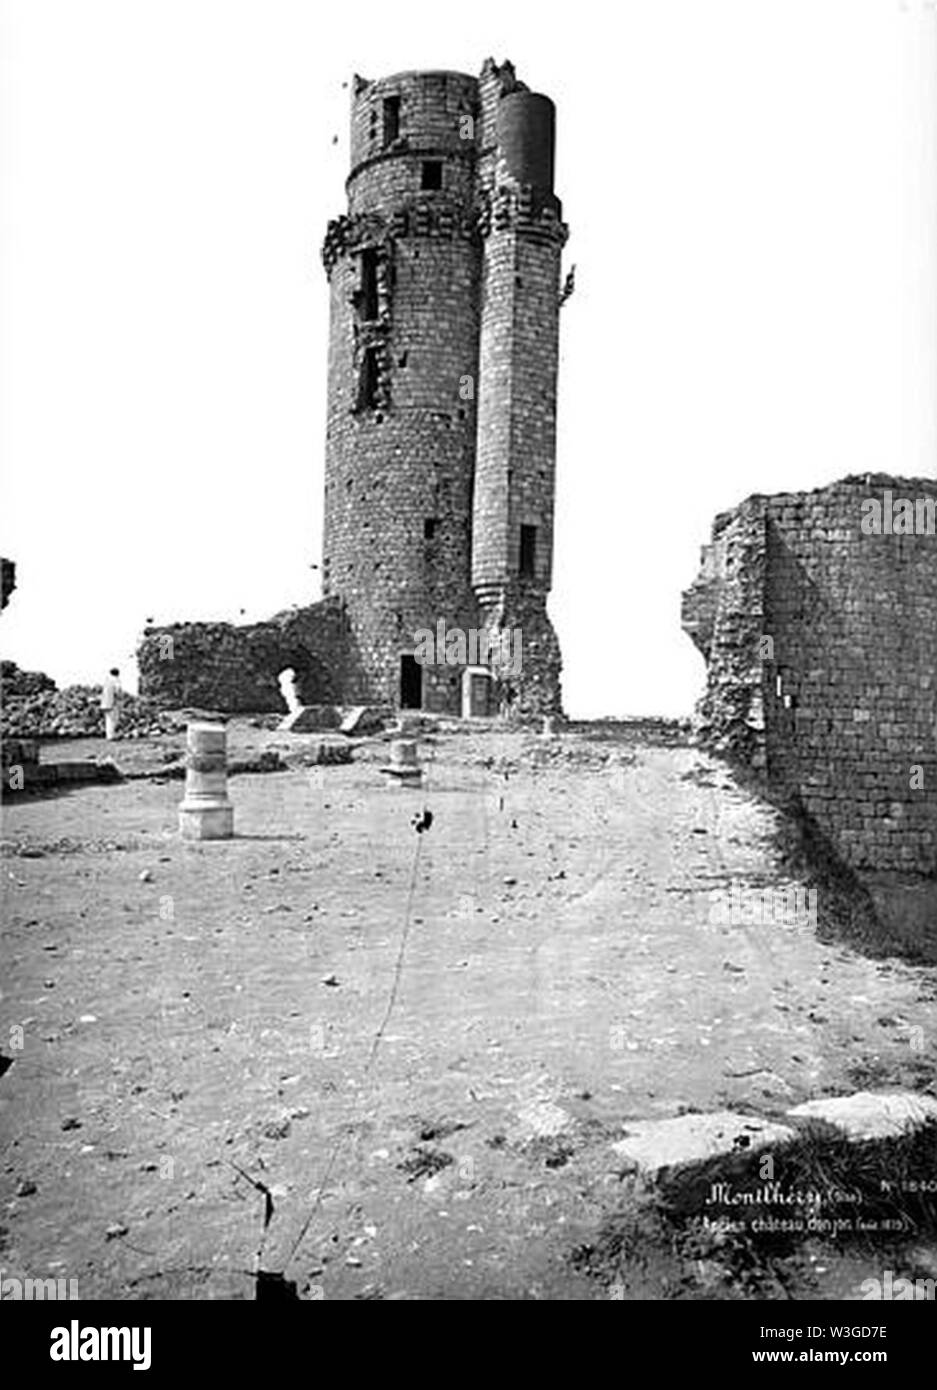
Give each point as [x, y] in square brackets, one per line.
[526, 139]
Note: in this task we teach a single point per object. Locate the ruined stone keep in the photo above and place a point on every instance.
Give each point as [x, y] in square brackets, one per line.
[441, 422]
[443, 347]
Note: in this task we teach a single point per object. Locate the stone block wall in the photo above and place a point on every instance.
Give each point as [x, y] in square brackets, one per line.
[234, 667]
[820, 635]
[398, 486]
[429, 121]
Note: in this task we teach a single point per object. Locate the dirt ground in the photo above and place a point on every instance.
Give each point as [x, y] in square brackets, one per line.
[391, 1064]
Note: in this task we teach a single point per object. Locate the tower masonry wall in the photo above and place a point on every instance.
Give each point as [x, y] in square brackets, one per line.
[441, 435]
[430, 119]
[399, 468]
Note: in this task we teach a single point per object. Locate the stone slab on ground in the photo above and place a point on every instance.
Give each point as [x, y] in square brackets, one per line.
[362, 719]
[871, 1114]
[310, 719]
[656, 1145]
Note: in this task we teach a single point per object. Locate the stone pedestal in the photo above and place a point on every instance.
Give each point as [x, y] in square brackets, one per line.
[403, 768]
[205, 813]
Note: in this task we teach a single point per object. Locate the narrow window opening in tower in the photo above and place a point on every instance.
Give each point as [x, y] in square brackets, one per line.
[367, 380]
[528, 553]
[391, 127]
[429, 528]
[367, 294]
[431, 175]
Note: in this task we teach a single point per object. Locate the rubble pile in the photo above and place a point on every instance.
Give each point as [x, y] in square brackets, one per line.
[75, 713]
[16, 683]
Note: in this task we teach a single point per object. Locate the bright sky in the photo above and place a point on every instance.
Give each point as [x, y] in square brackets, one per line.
[730, 174]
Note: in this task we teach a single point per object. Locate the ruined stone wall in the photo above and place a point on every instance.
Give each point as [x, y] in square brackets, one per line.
[528, 688]
[723, 612]
[821, 648]
[851, 713]
[234, 667]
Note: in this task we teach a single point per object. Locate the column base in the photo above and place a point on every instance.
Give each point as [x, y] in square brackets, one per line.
[212, 822]
[402, 776]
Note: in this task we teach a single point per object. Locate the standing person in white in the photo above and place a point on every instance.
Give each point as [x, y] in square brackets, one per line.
[110, 703]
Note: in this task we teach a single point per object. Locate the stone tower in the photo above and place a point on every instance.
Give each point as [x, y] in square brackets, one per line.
[441, 429]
